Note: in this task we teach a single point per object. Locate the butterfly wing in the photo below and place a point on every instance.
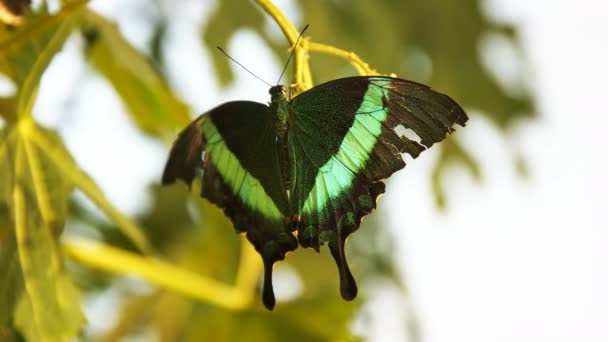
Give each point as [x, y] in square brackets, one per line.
[241, 175]
[342, 143]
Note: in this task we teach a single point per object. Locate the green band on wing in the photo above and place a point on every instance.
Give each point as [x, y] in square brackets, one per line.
[241, 183]
[339, 171]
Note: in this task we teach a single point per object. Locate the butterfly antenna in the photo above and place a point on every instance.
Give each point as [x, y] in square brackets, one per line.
[291, 54]
[242, 66]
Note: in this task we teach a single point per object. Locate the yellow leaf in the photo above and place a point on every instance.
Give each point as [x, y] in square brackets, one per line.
[26, 52]
[36, 196]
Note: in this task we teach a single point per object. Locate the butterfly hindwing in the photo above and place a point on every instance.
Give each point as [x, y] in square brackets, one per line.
[240, 175]
[343, 142]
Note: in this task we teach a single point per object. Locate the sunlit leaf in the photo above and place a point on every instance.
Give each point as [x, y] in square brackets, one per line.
[36, 195]
[152, 104]
[11, 284]
[11, 281]
[49, 306]
[33, 193]
[26, 52]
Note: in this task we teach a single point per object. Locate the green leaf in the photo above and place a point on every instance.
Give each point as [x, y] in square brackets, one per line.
[49, 309]
[36, 196]
[42, 317]
[11, 283]
[152, 104]
[26, 52]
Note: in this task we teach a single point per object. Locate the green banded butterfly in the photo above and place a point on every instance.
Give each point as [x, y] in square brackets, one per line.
[305, 171]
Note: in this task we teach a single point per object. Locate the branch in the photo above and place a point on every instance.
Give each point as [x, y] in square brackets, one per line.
[361, 67]
[169, 276]
[286, 26]
[302, 74]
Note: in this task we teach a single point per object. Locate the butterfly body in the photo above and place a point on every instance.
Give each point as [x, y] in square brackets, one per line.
[306, 170]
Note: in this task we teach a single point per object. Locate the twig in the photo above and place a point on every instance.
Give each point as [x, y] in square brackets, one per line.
[165, 275]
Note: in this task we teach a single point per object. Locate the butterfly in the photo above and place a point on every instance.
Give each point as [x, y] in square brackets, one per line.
[306, 170]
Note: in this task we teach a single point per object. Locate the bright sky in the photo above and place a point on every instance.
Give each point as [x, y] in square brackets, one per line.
[512, 259]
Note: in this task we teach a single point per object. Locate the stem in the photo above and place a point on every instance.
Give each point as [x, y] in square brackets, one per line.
[163, 274]
[301, 69]
[286, 26]
[304, 67]
[361, 67]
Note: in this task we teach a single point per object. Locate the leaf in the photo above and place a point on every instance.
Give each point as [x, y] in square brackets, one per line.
[41, 194]
[11, 283]
[152, 104]
[53, 314]
[36, 195]
[26, 52]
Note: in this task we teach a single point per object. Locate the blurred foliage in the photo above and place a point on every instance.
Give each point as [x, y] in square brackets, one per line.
[141, 88]
[35, 194]
[11, 11]
[434, 42]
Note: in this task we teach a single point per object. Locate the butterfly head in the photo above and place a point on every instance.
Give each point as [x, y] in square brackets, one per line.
[278, 93]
